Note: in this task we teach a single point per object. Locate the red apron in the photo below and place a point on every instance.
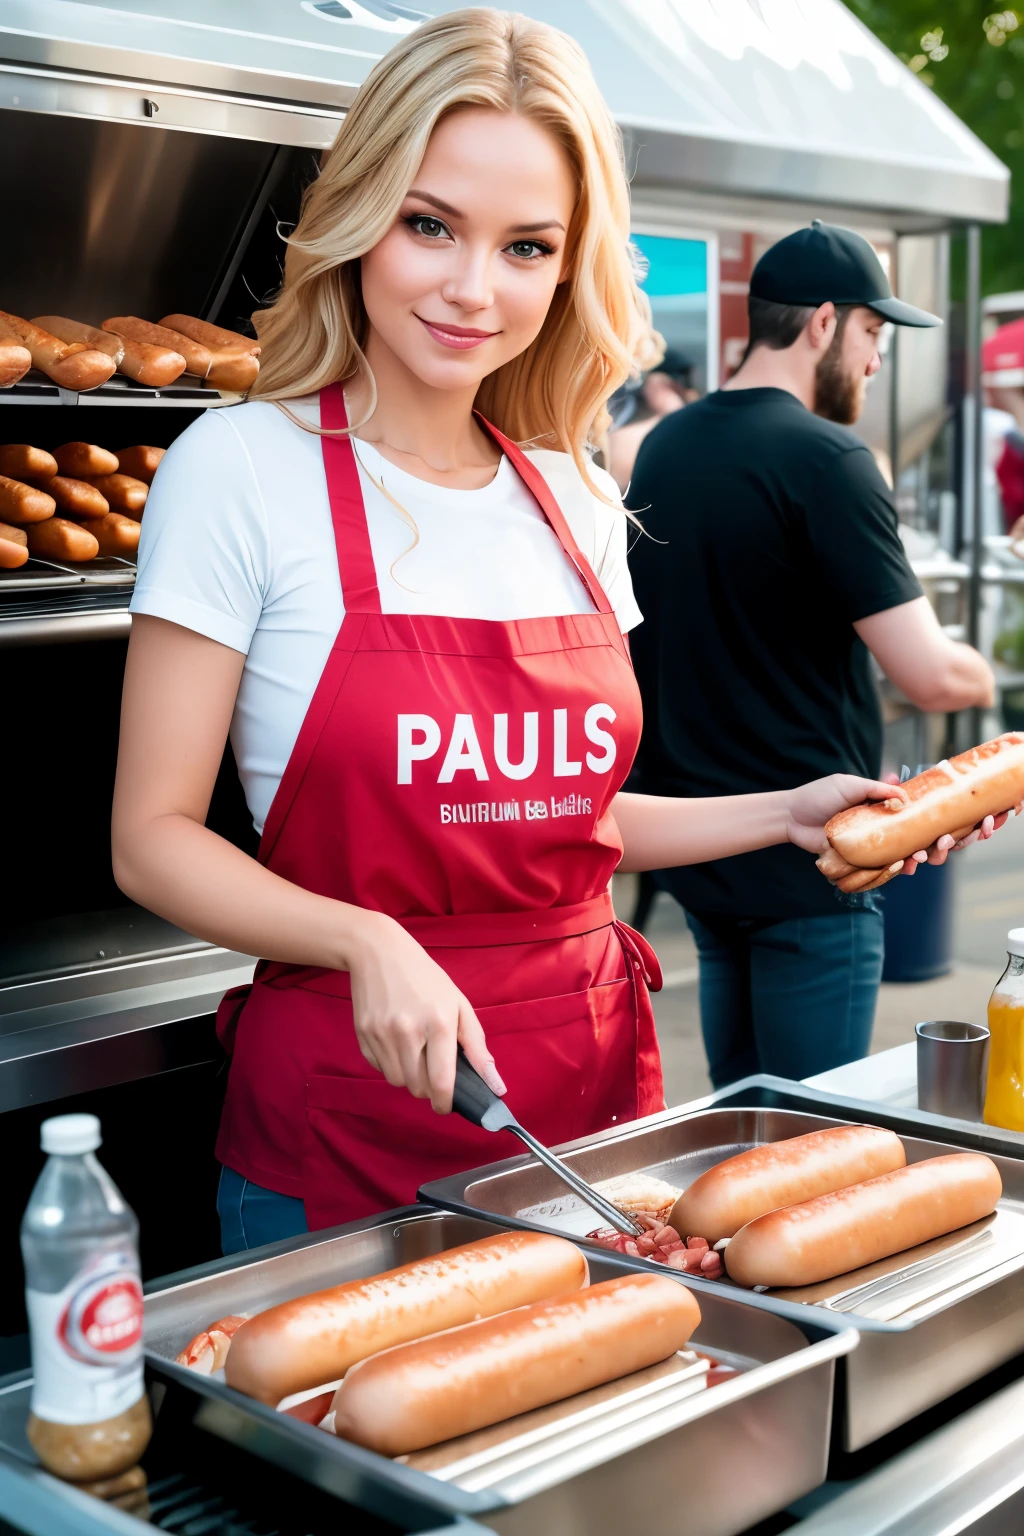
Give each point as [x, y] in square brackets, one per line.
[457, 774]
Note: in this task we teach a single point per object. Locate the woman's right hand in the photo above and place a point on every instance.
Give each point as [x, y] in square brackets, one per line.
[409, 1015]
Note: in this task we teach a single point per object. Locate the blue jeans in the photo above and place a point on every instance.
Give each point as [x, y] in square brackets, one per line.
[251, 1215]
[792, 998]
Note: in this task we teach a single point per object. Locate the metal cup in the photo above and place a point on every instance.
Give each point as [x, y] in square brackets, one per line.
[952, 1062]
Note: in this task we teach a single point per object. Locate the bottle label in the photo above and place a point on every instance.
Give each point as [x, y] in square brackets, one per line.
[87, 1343]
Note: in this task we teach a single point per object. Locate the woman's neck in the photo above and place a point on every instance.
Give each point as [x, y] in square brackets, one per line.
[430, 433]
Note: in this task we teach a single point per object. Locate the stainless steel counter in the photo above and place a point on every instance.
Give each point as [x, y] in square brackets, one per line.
[65, 1035]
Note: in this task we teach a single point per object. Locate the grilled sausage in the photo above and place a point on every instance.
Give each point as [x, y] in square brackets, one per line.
[76, 330]
[124, 493]
[23, 462]
[782, 1173]
[155, 367]
[59, 539]
[15, 361]
[77, 498]
[467, 1378]
[852, 1227]
[23, 503]
[82, 459]
[140, 462]
[316, 1339]
[953, 797]
[197, 357]
[213, 336]
[116, 534]
[233, 371]
[72, 366]
[13, 547]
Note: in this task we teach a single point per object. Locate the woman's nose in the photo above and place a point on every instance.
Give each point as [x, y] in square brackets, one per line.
[469, 283]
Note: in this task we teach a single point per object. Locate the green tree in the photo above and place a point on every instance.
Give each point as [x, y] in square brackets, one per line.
[972, 58]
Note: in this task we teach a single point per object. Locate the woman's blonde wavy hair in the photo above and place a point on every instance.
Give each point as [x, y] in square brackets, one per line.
[598, 329]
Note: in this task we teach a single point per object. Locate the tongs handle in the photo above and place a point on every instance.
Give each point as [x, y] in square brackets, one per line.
[474, 1101]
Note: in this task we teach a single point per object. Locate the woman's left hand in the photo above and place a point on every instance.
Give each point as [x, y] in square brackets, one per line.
[812, 805]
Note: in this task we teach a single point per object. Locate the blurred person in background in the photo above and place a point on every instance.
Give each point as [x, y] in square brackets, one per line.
[665, 389]
[772, 574]
[1002, 365]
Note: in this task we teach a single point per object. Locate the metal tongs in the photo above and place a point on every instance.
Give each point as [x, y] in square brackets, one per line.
[474, 1101]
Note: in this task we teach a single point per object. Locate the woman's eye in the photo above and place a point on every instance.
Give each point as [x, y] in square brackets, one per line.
[528, 250]
[426, 224]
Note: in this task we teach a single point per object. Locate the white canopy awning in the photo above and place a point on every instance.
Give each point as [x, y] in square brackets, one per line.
[780, 99]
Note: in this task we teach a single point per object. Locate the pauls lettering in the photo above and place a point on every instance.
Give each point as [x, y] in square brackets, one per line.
[420, 741]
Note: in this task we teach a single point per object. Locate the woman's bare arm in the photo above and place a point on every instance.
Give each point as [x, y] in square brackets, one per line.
[660, 832]
[179, 694]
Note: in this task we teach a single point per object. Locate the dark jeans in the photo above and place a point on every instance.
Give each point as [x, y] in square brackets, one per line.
[792, 998]
[251, 1215]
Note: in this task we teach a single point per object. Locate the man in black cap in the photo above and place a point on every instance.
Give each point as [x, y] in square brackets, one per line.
[773, 568]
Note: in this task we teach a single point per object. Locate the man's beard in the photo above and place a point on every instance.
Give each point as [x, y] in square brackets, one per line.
[838, 396]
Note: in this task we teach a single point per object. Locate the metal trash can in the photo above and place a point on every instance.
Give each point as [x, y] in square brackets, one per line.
[918, 915]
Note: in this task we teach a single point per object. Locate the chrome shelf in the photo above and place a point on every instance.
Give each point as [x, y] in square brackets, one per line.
[36, 389]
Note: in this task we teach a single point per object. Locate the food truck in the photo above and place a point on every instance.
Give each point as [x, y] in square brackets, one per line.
[154, 154]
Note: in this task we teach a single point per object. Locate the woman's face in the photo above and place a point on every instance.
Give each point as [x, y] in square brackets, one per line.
[462, 281]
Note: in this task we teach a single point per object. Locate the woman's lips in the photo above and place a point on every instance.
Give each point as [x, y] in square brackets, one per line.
[460, 337]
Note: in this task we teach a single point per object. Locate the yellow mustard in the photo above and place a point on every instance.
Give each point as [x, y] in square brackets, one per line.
[1004, 1094]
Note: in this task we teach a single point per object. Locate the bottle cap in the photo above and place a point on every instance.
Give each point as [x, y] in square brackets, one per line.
[1015, 941]
[67, 1135]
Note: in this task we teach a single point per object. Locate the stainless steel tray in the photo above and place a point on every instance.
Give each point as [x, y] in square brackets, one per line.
[932, 1320]
[728, 1454]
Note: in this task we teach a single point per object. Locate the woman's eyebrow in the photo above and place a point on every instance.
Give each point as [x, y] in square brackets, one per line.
[534, 229]
[437, 202]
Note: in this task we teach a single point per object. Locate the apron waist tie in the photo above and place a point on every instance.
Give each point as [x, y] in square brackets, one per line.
[476, 930]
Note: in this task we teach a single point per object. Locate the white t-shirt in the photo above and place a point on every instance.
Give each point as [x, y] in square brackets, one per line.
[237, 544]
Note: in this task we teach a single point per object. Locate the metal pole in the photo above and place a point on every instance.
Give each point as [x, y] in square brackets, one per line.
[973, 445]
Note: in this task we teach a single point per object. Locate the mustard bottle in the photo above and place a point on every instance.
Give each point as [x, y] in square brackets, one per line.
[1004, 1094]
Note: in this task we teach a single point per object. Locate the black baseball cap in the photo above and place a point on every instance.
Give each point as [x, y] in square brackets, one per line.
[828, 264]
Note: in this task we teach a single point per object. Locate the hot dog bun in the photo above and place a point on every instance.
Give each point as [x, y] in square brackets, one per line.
[950, 797]
[72, 366]
[59, 539]
[234, 371]
[197, 357]
[782, 1173]
[852, 1227]
[76, 330]
[15, 361]
[146, 364]
[116, 534]
[23, 503]
[22, 462]
[13, 547]
[124, 493]
[466, 1378]
[213, 336]
[140, 462]
[77, 498]
[316, 1339]
[80, 460]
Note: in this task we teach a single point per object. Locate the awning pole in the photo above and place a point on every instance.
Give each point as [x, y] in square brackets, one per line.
[974, 447]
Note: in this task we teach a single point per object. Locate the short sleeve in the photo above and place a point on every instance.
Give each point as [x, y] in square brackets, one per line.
[204, 551]
[611, 566]
[854, 533]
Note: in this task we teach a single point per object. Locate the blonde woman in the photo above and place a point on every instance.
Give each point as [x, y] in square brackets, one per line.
[394, 576]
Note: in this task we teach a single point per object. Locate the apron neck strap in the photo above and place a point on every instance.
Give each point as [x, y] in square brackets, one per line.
[351, 534]
[541, 492]
[348, 514]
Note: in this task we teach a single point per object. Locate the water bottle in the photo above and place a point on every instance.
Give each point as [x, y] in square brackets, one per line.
[89, 1415]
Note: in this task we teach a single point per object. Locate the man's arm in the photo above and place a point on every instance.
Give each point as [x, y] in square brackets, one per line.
[934, 672]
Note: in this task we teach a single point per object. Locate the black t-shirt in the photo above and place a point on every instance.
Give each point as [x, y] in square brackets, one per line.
[771, 532]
